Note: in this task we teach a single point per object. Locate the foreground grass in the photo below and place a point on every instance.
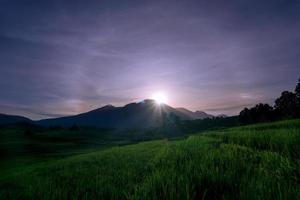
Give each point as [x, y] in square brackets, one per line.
[252, 162]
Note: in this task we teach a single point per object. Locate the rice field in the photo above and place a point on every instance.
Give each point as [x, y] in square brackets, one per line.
[250, 162]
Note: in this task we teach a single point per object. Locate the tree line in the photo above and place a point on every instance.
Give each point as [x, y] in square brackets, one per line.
[287, 106]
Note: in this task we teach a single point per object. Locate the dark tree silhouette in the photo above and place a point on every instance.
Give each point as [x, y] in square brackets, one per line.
[286, 105]
[297, 93]
[297, 90]
[245, 117]
[259, 113]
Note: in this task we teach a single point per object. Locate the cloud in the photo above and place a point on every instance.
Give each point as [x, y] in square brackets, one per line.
[204, 53]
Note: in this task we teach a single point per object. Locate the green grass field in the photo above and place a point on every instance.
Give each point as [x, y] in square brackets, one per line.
[251, 162]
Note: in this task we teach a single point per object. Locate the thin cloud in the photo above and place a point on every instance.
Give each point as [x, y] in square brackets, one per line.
[203, 53]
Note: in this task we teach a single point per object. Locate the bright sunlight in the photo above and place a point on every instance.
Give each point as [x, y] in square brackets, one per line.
[160, 97]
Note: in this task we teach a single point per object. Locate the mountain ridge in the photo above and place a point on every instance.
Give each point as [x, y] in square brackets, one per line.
[144, 114]
[12, 119]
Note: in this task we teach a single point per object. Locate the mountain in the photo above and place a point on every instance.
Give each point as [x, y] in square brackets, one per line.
[12, 119]
[195, 115]
[222, 115]
[145, 114]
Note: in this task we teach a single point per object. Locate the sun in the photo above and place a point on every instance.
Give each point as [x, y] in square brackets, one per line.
[160, 98]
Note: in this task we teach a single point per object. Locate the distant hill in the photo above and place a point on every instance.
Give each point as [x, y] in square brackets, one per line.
[12, 119]
[195, 115]
[145, 114]
[222, 115]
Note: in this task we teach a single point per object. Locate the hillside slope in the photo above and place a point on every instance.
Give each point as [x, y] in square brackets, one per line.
[195, 115]
[252, 162]
[12, 119]
[145, 114]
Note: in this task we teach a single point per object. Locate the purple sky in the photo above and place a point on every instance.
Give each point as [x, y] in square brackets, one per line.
[65, 57]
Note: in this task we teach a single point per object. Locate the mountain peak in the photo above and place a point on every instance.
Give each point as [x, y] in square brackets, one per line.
[143, 114]
[108, 106]
[148, 101]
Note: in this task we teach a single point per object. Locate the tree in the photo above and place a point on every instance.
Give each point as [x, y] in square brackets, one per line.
[297, 90]
[244, 116]
[259, 113]
[263, 112]
[297, 93]
[286, 105]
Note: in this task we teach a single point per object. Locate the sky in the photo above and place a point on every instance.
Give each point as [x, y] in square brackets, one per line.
[61, 58]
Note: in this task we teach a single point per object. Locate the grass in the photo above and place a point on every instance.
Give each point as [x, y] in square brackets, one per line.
[251, 162]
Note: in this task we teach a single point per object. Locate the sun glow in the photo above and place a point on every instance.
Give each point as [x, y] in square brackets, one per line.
[160, 98]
